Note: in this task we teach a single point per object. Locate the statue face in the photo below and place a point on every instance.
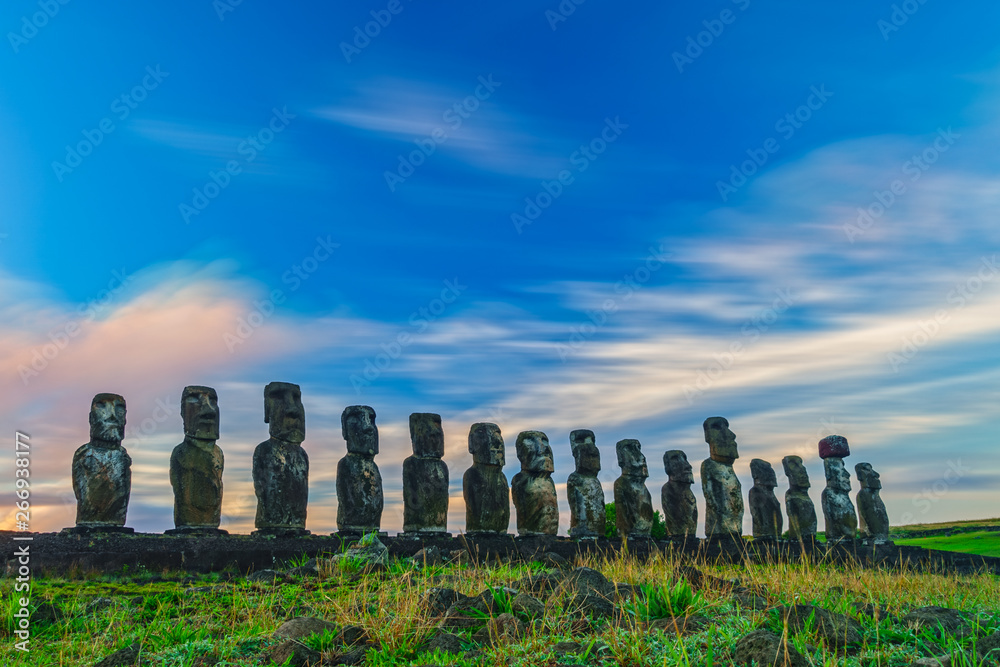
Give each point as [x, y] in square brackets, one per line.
[534, 452]
[585, 452]
[486, 444]
[675, 462]
[426, 435]
[867, 477]
[721, 441]
[631, 460]
[798, 478]
[107, 418]
[200, 412]
[283, 412]
[837, 477]
[358, 426]
[763, 474]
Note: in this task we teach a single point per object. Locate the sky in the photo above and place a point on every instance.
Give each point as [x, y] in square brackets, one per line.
[547, 215]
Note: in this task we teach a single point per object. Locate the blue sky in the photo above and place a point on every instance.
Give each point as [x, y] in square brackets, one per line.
[549, 216]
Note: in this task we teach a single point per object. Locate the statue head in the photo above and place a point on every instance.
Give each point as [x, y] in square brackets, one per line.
[283, 412]
[763, 474]
[357, 423]
[585, 452]
[837, 477]
[675, 463]
[533, 452]
[486, 444]
[721, 441]
[107, 419]
[426, 435]
[200, 412]
[867, 477]
[631, 460]
[795, 471]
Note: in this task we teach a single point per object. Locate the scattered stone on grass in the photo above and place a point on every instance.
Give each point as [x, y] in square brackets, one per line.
[46, 613]
[265, 577]
[590, 605]
[878, 612]
[293, 654]
[98, 605]
[835, 629]
[988, 649]
[527, 605]
[429, 556]
[367, 551]
[679, 625]
[746, 598]
[554, 560]
[942, 620]
[445, 642]
[120, 658]
[503, 628]
[466, 613]
[538, 583]
[197, 589]
[764, 648]
[354, 635]
[304, 626]
[437, 601]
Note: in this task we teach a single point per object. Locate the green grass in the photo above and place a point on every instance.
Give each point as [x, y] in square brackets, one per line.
[981, 543]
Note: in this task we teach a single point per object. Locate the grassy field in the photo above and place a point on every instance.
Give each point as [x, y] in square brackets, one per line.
[965, 536]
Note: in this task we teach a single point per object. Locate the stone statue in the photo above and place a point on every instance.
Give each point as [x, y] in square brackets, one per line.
[425, 478]
[196, 465]
[765, 510]
[532, 489]
[359, 483]
[484, 486]
[838, 511]
[102, 470]
[798, 504]
[633, 504]
[680, 508]
[873, 518]
[723, 493]
[280, 465]
[583, 490]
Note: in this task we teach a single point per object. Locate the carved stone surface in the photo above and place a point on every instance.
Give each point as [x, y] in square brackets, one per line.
[633, 504]
[532, 489]
[280, 465]
[484, 486]
[425, 477]
[680, 507]
[584, 490]
[102, 469]
[196, 464]
[834, 446]
[799, 506]
[719, 483]
[873, 520]
[359, 483]
[838, 510]
[765, 510]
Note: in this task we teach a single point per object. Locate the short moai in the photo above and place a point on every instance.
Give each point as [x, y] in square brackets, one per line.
[583, 490]
[798, 505]
[102, 470]
[532, 489]
[196, 466]
[765, 510]
[680, 508]
[873, 520]
[359, 483]
[425, 479]
[484, 486]
[719, 483]
[633, 504]
[280, 464]
[838, 510]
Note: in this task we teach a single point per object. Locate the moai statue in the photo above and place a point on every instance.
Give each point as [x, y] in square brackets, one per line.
[359, 483]
[102, 470]
[798, 504]
[723, 493]
[765, 510]
[680, 508]
[280, 465]
[196, 466]
[532, 489]
[583, 490]
[873, 518]
[425, 479]
[633, 504]
[838, 511]
[484, 486]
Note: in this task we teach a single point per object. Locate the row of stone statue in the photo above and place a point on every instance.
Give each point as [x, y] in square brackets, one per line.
[102, 480]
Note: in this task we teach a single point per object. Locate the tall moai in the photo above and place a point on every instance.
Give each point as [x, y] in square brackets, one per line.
[873, 520]
[680, 507]
[719, 483]
[532, 489]
[799, 506]
[484, 486]
[196, 466]
[838, 510]
[765, 510]
[281, 465]
[583, 490]
[633, 504]
[102, 470]
[425, 479]
[359, 483]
